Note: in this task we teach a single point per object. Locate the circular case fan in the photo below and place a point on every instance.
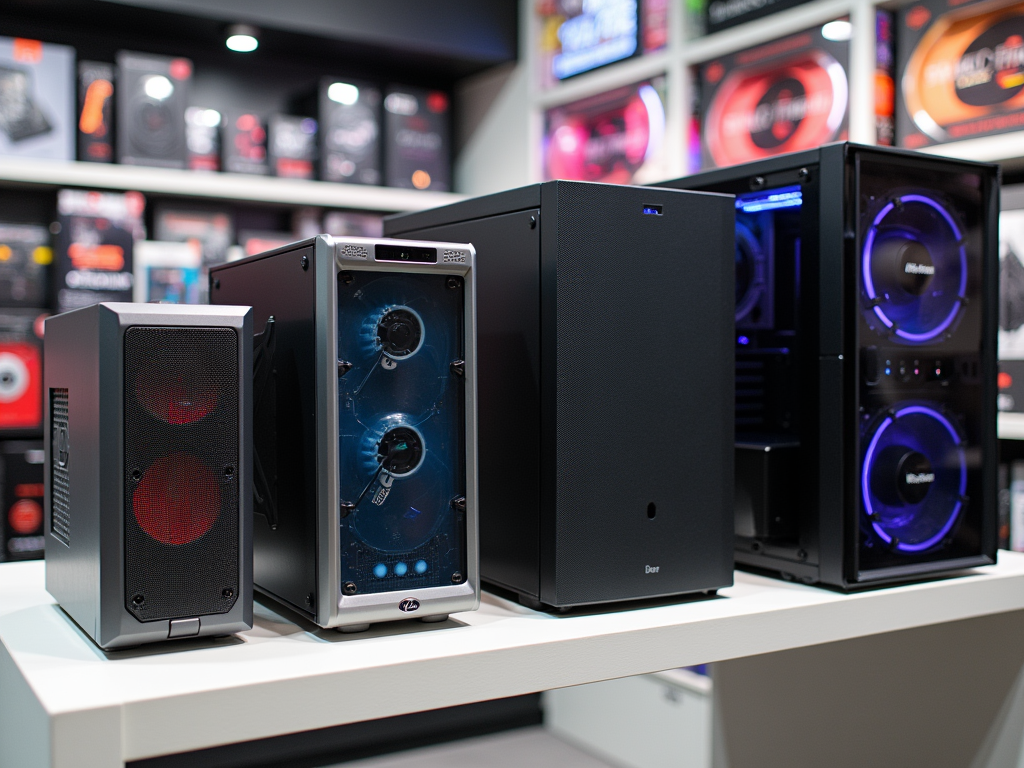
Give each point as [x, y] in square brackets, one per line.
[749, 271]
[914, 270]
[403, 509]
[913, 477]
[406, 372]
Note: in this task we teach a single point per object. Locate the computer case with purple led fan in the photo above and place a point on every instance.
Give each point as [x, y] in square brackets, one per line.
[866, 316]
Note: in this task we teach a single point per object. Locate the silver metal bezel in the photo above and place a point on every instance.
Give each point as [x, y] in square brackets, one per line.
[333, 608]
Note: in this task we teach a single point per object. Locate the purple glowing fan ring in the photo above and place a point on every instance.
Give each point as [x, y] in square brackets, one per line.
[869, 286]
[868, 464]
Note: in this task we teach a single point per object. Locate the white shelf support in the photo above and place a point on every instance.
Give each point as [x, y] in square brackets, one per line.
[862, 73]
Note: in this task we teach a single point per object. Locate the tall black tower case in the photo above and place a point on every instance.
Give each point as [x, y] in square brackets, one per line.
[865, 363]
[605, 388]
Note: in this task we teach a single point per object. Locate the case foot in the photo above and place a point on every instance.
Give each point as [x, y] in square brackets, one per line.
[352, 628]
[434, 619]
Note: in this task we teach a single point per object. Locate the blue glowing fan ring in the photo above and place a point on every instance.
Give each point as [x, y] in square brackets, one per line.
[869, 287]
[868, 464]
[757, 280]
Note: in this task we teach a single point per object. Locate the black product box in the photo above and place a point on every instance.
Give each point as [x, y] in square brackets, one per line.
[1011, 299]
[212, 228]
[784, 96]
[961, 71]
[21, 497]
[95, 111]
[244, 148]
[93, 257]
[37, 99]
[25, 258]
[202, 139]
[291, 146]
[723, 14]
[21, 372]
[349, 132]
[416, 146]
[152, 93]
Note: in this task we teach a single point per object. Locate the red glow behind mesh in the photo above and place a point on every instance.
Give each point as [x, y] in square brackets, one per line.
[177, 500]
[176, 397]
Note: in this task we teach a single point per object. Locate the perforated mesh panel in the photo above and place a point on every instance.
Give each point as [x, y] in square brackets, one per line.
[181, 468]
[60, 479]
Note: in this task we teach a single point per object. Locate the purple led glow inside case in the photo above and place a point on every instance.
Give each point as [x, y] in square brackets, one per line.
[869, 456]
[869, 285]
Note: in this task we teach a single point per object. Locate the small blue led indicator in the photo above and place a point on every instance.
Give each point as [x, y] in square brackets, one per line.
[401, 569]
[743, 340]
[652, 210]
[421, 566]
[380, 570]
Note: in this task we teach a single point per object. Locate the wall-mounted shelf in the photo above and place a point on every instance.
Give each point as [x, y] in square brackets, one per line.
[221, 186]
[282, 678]
[1011, 426]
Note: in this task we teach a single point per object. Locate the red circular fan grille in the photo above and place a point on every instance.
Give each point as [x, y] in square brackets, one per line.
[25, 516]
[177, 500]
[176, 396]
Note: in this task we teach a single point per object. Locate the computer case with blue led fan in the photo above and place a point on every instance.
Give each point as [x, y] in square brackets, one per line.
[866, 311]
[365, 426]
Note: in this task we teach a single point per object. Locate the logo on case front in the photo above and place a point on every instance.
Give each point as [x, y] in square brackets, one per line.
[409, 605]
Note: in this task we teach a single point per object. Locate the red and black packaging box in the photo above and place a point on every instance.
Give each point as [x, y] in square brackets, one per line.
[21, 372]
[291, 146]
[961, 71]
[21, 500]
[95, 111]
[93, 257]
[416, 144]
[787, 95]
[244, 145]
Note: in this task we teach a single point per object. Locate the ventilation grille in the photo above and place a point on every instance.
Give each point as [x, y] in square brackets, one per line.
[449, 257]
[60, 485]
[750, 393]
[355, 251]
[181, 471]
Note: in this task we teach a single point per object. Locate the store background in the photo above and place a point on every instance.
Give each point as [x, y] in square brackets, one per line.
[512, 122]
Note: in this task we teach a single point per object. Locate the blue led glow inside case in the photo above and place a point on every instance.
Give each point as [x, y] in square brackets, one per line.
[401, 431]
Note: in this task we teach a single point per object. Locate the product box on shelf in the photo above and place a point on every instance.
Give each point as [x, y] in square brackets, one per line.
[1011, 300]
[885, 88]
[416, 146]
[784, 96]
[244, 144]
[291, 146]
[723, 14]
[961, 68]
[167, 272]
[21, 372]
[96, 111]
[93, 257]
[255, 241]
[21, 500]
[25, 258]
[574, 37]
[37, 99]
[349, 131]
[152, 93]
[348, 224]
[202, 139]
[614, 137]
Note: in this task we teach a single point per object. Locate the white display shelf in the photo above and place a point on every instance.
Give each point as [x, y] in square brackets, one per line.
[1011, 426]
[221, 186]
[66, 703]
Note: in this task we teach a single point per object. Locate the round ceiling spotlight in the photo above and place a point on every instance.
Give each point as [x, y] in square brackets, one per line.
[242, 38]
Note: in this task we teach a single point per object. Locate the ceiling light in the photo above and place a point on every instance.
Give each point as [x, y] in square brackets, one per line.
[242, 38]
[837, 30]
